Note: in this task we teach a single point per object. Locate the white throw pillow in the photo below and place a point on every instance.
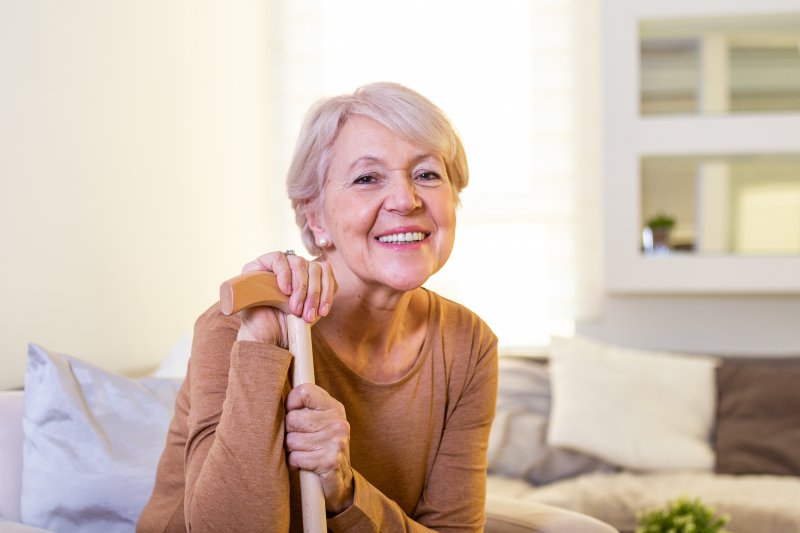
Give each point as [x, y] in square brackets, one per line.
[92, 443]
[639, 409]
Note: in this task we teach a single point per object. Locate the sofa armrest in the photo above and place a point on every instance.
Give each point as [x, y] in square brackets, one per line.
[7, 526]
[509, 515]
[11, 407]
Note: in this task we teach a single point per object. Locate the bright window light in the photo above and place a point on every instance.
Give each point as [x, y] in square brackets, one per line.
[505, 75]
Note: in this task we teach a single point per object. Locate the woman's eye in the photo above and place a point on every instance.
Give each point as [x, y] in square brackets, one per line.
[366, 178]
[428, 176]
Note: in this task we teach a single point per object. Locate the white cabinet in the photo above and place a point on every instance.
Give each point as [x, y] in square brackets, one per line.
[718, 129]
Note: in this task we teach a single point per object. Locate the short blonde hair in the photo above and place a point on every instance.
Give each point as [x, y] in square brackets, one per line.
[403, 111]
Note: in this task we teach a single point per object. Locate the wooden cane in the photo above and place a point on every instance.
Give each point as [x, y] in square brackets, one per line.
[261, 289]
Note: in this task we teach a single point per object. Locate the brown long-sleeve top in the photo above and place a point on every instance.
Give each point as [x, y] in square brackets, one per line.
[417, 445]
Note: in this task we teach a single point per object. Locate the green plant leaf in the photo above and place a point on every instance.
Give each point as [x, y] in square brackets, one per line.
[682, 516]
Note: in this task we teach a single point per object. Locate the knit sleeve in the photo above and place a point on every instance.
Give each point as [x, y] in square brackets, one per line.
[372, 512]
[236, 475]
[455, 495]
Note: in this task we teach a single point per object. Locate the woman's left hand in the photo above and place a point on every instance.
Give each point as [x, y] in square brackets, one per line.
[318, 440]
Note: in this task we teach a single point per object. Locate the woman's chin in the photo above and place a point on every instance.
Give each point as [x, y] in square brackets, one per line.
[403, 280]
[407, 286]
[406, 281]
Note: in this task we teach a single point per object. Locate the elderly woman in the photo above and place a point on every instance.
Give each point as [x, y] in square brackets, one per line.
[398, 422]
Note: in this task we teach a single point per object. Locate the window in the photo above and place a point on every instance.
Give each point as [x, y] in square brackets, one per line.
[513, 78]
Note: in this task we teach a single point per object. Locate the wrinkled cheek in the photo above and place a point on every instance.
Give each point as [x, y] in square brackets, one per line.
[342, 227]
[350, 237]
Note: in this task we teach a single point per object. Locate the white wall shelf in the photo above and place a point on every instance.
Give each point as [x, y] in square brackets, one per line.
[628, 137]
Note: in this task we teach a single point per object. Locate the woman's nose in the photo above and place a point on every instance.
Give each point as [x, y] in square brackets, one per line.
[402, 196]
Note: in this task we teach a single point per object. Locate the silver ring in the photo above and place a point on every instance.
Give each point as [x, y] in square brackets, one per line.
[287, 253]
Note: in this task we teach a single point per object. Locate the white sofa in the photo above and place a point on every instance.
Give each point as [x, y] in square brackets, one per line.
[752, 434]
[534, 485]
[89, 488]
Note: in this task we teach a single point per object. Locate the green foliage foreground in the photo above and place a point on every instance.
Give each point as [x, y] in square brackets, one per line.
[682, 516]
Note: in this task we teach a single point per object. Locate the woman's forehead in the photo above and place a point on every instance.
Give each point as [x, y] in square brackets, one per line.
[362, 138]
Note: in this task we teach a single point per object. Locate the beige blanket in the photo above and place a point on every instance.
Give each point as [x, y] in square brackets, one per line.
[756, 504]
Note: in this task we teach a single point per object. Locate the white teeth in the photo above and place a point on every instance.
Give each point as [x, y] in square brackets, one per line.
[403, 237]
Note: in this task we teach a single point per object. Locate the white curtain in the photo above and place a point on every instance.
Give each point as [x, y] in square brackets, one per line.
[519, 79]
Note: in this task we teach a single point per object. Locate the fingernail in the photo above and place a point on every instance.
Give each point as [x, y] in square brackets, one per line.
[324, 309]
[311, 314]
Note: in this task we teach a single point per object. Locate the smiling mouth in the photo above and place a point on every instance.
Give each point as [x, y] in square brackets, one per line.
[403, 238]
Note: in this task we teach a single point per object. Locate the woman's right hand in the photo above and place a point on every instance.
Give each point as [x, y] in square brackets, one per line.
[310, 286]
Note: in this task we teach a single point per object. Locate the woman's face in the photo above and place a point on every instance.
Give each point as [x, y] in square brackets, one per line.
[389, 208]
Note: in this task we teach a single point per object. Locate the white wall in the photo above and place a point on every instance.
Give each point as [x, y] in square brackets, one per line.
[136, 174]
[757, 325]
[134, 168]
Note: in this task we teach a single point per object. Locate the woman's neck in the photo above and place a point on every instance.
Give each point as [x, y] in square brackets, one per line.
[377, 333]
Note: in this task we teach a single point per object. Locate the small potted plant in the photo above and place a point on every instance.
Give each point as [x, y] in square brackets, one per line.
[661, 225]
[682, 516]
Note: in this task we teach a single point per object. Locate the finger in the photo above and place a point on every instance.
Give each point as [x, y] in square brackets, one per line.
[307, 441]
[315, 398]
[283, 271]
[307, 396]
[313, 461]
[306, 420]
[318, 456]
[277, 263]
[303, 421]
[260, 263]
[311, 304]
[299, 268]
[328, 290]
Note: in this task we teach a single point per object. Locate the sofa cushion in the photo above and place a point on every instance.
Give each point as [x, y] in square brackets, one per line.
[92, 443]
[10, 453]
[7, 526]
[640, 409]
[517, 444]
[758, 422]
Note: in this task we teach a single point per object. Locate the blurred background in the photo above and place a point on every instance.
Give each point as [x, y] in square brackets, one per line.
[143, 149]
[145, 144]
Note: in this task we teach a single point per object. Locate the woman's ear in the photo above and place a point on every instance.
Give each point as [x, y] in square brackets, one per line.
[313, 216]
[316, 224]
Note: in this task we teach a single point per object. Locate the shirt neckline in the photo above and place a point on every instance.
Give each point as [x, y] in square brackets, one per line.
[326, 352]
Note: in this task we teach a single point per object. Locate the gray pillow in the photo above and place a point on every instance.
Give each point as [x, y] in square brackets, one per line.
[92, 443]
[518, 445]
[758, 417]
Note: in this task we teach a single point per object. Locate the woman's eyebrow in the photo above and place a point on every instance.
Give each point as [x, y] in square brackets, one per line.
[366, 158]
[375, 159]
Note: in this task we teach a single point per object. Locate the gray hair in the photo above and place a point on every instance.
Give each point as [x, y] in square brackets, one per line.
[399, 109]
